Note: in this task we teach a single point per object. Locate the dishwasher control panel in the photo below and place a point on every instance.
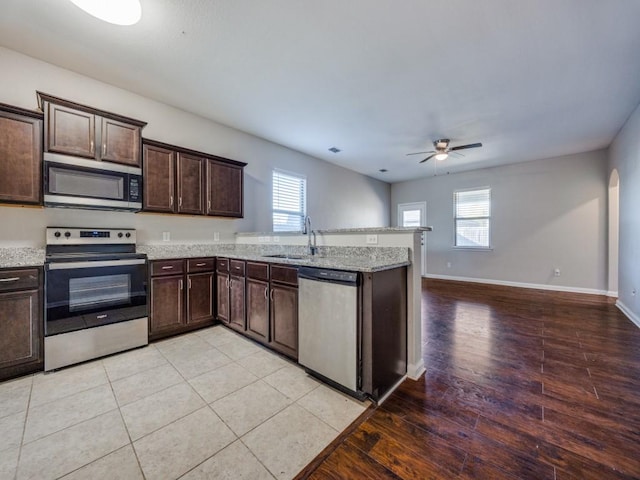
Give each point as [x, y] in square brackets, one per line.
[328, 275]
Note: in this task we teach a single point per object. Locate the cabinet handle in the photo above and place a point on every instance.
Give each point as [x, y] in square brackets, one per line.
[12, 279]
[171, 201]
[209, 204]
[189, 281]
[100, 317]
[91, 146]
[200, 264]
[266, 293]
[104, 149]
[271, 295]
[180, 202]
[168, 267]
[180, 284]
[227, 282]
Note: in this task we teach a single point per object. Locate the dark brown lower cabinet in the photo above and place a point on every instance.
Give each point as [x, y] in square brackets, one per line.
[21, 338]
[284, 310]
[236, 303]
[258, 301]
[181, 295]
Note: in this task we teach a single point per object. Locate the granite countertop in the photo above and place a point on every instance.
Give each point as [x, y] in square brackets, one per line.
[359, 259]
[372, 230]
[21, 257]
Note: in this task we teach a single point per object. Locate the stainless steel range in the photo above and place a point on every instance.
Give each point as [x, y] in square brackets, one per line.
[95, 294]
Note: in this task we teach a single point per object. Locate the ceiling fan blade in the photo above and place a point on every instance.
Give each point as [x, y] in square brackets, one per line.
[463, 147]
[430, 156]
[419, 153]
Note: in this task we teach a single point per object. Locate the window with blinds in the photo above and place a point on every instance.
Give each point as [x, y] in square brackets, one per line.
[289, 201]
[472, 212]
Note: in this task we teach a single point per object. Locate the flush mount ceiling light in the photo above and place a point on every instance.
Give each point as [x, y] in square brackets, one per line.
[119, 12]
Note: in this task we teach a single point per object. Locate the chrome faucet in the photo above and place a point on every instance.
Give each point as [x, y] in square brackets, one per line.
[312, 249]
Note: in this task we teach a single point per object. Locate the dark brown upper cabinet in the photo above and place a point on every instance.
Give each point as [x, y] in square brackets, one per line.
[20, 155]
[190, 174]
[224, 189]
[74, 129]
[159, 178]
[178, 180]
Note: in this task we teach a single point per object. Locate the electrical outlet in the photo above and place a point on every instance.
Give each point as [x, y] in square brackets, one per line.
[276, 238]
[448, 264]
[372, 239]
[556, 272]
[267, 239]
[633, 292]
[166, 236]
[261, 239]
[216, 236]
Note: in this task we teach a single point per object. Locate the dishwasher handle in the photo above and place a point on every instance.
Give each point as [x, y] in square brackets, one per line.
[330, 276]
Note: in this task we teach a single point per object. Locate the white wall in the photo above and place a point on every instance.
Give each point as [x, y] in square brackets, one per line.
[337, 198]
[546, 214]
[624, 155]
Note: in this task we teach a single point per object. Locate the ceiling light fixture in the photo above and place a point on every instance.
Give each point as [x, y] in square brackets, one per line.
[441, 156]
[118, 12]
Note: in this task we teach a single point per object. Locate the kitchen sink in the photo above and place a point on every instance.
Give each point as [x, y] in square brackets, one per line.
[286, 255]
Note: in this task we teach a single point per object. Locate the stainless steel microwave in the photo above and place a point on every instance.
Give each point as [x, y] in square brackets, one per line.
[80, 183]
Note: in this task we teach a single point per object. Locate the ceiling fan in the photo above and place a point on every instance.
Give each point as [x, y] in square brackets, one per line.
[442, 149]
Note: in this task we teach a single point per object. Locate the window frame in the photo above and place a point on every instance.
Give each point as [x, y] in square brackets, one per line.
[483, 248]
[303, 213]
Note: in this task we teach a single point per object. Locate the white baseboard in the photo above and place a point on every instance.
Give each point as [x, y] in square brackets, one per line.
[630, 315]
[612, 294]
[538, 286]
[415, 370]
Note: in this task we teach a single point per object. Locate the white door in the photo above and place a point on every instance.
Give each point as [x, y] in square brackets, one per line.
[415, 215]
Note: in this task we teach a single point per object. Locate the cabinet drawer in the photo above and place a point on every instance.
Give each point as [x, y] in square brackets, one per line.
[283, 274]
[222, 265]
[259, 271]
[167, 267]
[19, 279]
[236, 267]
[200, 265]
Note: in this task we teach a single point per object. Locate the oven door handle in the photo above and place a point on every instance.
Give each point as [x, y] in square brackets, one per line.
[102, 263]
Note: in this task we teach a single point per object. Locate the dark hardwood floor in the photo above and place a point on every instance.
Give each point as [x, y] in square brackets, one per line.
[519, 384]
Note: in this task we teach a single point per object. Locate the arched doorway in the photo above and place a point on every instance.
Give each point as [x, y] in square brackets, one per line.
[614, 225]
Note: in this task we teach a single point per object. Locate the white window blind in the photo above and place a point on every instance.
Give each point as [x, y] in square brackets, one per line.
[472, 211]
[289, 201]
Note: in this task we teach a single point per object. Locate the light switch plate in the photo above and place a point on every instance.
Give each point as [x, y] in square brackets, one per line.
[166, 236]
[372, 239]
[216, 236]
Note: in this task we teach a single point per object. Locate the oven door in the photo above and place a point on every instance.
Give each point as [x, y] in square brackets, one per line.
[86, 294]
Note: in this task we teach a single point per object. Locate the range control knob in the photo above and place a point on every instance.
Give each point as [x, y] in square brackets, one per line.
[67, 234]
[119, 234]
[128, 235]
[57, 234]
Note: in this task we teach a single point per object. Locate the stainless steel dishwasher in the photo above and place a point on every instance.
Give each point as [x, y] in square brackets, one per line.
[328, 326]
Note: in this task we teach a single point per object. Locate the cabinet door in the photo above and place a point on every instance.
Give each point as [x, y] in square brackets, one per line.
[20, 158]
[199, 298]
[284, 320]
[70, 131]
[190, 184]
[258, 309]
[167, 305]
[222, 297]
[120, 142]
[20, 321]
[159, 179]
[236, 300]
[224, 189]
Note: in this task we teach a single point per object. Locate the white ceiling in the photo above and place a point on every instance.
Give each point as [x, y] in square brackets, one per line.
[529, 79]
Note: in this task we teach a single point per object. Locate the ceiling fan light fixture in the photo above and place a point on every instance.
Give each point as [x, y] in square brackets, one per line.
[118, 12]
[441, 156]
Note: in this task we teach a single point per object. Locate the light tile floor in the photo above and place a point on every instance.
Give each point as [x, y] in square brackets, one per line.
[209, 404]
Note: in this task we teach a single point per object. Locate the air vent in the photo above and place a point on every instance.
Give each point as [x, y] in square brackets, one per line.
[383, 170]
[335, 149]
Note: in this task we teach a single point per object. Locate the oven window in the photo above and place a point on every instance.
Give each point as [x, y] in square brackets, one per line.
[98, 292]
[87, 184]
